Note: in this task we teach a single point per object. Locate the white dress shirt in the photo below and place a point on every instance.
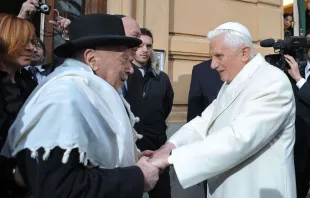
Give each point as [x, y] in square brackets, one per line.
[39, 76]
[302, 81]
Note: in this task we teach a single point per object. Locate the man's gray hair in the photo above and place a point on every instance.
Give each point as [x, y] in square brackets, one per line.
[233, 39]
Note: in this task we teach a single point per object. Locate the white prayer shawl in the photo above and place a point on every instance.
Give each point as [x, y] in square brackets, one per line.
[74, 108]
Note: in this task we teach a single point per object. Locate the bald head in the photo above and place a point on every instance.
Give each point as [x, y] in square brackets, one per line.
[131, 26]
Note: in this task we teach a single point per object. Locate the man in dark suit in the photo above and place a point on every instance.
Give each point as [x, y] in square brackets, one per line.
[301, 86]
[205, 85]
[150, 96]
[37, 67]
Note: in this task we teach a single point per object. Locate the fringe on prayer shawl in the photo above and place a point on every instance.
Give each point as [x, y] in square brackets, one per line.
[132, 117]
[83, 158]
[65, 158]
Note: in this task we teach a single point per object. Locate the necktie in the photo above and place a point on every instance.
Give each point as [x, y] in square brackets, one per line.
[307, 73]
[33, 70]
[124, 91]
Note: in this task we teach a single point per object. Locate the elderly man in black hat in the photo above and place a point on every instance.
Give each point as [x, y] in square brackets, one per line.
[74, 136]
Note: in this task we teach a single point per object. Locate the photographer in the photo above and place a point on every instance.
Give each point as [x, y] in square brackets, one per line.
[301, 88]
[28, 9]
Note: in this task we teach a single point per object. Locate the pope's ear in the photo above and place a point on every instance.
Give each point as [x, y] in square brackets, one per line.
[246, 53]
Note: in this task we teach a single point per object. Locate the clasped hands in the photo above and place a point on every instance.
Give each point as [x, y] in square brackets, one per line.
[152, 163]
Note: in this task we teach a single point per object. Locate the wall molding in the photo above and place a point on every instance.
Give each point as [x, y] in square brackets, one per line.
[276, 3]
[176, 55]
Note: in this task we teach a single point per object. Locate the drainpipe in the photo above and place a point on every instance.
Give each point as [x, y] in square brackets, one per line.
[299, 18]
[302, 15]
[296, 18]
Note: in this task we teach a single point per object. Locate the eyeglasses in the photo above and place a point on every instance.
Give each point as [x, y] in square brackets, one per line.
[35, 43]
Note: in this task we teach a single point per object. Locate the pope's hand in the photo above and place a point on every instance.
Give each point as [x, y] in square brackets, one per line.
[160, 157]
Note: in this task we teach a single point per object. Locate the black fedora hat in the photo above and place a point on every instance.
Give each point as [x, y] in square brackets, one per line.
[94, 30]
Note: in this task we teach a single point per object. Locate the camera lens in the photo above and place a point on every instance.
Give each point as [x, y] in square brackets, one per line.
[44, 8]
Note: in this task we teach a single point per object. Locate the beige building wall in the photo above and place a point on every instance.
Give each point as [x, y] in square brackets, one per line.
[180, 28]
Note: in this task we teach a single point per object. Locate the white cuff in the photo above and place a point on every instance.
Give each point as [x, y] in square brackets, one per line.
[170, 161]
[300, 83]
[174, 142]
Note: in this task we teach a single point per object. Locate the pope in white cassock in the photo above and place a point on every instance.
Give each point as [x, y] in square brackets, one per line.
[242, 144]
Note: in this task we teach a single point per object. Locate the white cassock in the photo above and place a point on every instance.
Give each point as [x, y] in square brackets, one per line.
[243, 142]
[74, 108]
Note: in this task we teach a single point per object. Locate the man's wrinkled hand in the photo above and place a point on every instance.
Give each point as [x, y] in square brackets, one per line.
[146, 153]
[150, 173]
[19, 179]
[28, 9]
[294, 70]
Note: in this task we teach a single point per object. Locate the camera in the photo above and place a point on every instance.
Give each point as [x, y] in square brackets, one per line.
[44, 8]
[295, 46]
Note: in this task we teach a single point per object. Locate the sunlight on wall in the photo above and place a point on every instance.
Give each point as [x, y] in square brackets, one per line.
[287, 2]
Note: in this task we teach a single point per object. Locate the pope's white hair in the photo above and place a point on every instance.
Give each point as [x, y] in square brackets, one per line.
[232, 39]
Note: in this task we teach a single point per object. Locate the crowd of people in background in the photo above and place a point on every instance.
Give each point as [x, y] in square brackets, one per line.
[93, 123]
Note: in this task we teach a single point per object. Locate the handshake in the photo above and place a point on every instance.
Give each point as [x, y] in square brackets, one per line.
[153, 163]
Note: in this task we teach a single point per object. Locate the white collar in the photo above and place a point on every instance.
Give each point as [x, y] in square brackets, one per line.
[307, 67]
[38, 66]
[70, 62]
